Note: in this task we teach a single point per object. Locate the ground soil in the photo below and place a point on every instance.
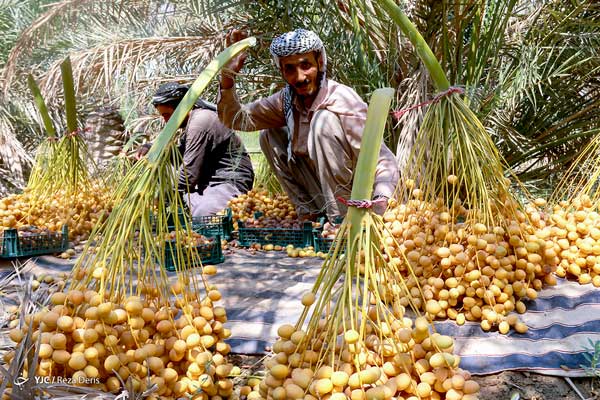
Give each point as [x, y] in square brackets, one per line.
[535, 387]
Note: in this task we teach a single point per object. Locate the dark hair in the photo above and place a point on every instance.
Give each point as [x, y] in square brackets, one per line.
[171, 94]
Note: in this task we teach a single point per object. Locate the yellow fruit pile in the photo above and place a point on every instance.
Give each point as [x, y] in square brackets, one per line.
[396, 360]
[302, 252]
[244, 206]
[478, 276]
[267, 247]
[574, 228]
[80, 211]
[179, 347]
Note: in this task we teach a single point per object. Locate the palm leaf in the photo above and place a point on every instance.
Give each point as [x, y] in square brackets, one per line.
[102, 67]
[116, 54]
[59, 19]
[12, 153]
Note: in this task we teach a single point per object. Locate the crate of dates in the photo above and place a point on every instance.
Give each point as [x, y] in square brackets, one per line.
[276, 231]
[208, 248]
[32, 241]
[325, 236]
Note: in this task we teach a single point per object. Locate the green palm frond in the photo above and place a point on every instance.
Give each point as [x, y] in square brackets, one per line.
[530, 68]
[24, 44]
[12, 154]
[542, 111]
[15, 15]
[51, 32]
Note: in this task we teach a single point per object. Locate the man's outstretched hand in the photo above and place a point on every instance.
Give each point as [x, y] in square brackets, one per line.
[235, 65]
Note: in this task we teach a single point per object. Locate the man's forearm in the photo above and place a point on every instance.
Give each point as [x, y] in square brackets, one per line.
[228, 107]
[227, 80]
[260, 114]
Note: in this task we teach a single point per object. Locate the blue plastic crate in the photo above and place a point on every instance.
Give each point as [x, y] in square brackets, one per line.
[33, 244]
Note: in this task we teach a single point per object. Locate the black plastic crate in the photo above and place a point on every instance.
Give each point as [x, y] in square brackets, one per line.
[210, 253]
[33, 244]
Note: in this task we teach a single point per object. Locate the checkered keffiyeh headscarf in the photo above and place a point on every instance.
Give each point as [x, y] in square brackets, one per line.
[300, 41]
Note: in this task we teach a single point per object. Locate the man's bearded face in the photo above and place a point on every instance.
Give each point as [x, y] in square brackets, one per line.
[301, 72]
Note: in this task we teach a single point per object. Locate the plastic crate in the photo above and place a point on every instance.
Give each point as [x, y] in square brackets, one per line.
[33, 244]
[324, 244]
[207, 225]
[170, 219]
[277, 236]
[213, 225]
[210, 253]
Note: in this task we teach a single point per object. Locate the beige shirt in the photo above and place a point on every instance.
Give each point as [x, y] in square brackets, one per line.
[340, 99]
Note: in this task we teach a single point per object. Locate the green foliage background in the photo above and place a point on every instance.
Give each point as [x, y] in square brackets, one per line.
[530, 68]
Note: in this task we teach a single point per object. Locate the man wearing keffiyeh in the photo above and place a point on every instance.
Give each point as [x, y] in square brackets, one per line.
[311, 130]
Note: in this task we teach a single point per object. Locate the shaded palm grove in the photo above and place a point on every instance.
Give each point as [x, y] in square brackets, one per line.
[530, 69]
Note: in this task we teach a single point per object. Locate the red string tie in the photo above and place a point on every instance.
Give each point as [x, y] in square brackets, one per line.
[451, 90]
[78, 131]
[74, 133]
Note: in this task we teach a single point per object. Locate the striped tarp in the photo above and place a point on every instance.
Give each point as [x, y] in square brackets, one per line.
[262, 291]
